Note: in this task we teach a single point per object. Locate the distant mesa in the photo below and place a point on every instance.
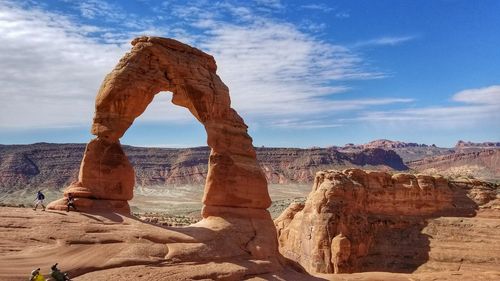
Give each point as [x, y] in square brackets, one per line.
[385, 144]
[467, 144]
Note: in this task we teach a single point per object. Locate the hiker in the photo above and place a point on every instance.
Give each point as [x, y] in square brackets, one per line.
[36, 276]
[57, 275]
[39, 200]
[71, 202]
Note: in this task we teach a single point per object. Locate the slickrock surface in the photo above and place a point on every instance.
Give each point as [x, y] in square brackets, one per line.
[355, 221]
[118, 247]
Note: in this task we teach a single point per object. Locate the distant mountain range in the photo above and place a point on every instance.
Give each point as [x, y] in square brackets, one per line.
[54, 166]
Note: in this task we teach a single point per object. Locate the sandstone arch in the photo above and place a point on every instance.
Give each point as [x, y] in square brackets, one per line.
[106, 178]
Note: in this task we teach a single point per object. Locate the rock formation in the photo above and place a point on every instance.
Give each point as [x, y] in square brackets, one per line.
[106, 178]
[236, 224]
[352, 220]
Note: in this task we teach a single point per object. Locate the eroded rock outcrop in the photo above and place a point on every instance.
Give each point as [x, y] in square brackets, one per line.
[236, 225]
[157, 64]
[355, 220]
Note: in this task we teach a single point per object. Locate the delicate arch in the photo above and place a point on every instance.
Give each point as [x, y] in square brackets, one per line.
[154, 64]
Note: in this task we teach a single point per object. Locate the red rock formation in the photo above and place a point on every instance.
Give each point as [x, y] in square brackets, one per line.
[346, 213]
[156, 64]
[235, 221]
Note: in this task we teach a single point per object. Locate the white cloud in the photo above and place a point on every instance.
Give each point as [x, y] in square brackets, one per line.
[274, 69]
[51, 67]
[301, 124]
[318, 7]
[98, 8]
[477, 106]
[342, 15]
[274, 4]
[488, 95]
[50, 71]
[385, 41]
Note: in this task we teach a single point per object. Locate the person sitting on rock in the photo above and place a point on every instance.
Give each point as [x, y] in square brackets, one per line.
[71, 202]
[39, 200]
[36, 276]
[57, 275]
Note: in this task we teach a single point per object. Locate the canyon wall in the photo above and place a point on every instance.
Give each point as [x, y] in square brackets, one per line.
[55, 166]
[482, 163]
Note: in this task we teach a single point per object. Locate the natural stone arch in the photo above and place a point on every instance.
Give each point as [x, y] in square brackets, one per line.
[106, 178]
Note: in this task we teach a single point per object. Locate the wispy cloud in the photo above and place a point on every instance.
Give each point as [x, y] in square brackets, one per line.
[385, 41]
[274, 4]
[340, 14]
[317, 7]
[481, 105]
[304, 124]
[50, 68]
[98, 8]
[273, 68]
[486, 96]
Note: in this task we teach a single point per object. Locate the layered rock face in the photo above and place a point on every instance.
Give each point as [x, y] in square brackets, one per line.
[51, 166]
[353, 219]
[157, 64]
[484, 164]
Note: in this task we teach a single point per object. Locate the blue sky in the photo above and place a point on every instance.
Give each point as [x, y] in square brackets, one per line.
[301, 73]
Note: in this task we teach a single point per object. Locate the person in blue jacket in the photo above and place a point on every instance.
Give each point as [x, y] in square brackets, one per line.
[39, 200]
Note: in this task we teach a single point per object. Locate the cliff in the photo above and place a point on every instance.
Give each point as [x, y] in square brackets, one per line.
[483, 164]
[55, 166]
